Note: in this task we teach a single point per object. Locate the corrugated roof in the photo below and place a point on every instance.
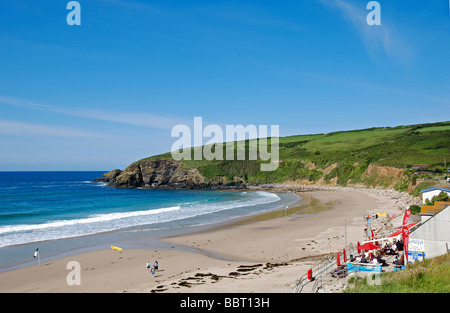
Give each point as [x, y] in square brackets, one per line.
[443, 188]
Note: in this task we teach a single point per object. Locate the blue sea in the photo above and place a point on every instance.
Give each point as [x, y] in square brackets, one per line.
[64, 212]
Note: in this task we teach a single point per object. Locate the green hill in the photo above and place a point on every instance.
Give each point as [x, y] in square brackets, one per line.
[368, 157]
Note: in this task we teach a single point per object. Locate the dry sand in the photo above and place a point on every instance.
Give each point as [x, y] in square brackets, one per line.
[264, 254]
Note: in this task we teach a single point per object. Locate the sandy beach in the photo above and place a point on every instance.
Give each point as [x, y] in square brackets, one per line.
[264, 254]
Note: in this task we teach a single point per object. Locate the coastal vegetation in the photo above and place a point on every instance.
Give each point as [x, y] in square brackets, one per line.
[375, 157]
[429, 276]
[442, 196]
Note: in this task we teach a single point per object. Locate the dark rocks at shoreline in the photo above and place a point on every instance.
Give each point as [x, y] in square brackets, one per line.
[170, 174]
[162, 173]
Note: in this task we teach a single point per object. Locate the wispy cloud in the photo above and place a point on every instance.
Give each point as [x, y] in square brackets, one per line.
[38, 44]
[13, 128]
[360, 83]
[132, 5]
[384, 37]
[141, 119]
[250, 15]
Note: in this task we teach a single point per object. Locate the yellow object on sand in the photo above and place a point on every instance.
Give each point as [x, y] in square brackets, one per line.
[381, 214]
[116, 248]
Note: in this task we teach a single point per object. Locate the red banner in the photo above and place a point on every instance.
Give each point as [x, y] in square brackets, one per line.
[406, 217]
[405, 232]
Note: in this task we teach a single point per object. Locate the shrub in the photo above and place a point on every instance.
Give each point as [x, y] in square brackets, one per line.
[415, 209]
[442, 196]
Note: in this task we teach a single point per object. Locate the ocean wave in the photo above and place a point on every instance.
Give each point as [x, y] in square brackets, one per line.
[95, 218]
[88, 182]
[256, 198]
[253, 199]
[5, 216]
[203, 212]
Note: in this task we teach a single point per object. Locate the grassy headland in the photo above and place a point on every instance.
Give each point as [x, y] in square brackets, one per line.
[368, 157]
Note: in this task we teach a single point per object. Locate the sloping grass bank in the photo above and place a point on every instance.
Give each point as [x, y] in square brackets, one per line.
[341, 158]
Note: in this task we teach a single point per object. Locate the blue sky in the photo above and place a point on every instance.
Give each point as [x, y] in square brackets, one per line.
[106, 93]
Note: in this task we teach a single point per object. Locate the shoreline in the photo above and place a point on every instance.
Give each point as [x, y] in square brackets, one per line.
[146, 239]
[264, 253]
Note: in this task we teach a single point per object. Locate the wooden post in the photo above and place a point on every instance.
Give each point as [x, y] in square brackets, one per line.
[345, 233]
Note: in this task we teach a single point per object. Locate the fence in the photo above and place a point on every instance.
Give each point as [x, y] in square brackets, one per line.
[320, 270]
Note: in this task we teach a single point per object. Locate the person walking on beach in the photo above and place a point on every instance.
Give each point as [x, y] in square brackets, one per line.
[156, 265]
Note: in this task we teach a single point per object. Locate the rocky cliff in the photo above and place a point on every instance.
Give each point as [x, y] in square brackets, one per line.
[375, 157]
[161, 173]
[168, 173]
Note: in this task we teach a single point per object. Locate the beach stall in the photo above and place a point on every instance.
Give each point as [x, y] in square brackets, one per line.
[365, 263]
[398, 233]
[360, 267]
[368, 246]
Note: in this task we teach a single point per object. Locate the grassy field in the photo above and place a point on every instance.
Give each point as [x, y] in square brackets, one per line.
[429, 276]
[305, 157]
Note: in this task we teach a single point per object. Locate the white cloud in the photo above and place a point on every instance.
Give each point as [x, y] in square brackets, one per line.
[251, 15]
[130, 118]
[13, 128]
[384, 37]
[361, 83]
[132, 5]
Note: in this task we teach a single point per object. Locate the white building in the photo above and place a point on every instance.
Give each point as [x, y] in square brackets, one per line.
[432, 236]
[433, 191]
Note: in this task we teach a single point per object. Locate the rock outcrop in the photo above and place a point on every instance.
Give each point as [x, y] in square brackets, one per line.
[162, 173]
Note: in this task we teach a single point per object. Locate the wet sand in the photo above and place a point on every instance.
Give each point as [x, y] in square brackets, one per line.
[266, 253]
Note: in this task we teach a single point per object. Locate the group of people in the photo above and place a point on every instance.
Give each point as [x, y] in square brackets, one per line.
[374, 215]
[393, 248]
[154, 268]
[387, 249]
[368, 258]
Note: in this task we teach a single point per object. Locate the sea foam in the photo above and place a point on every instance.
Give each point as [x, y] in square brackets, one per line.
[99, 223]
